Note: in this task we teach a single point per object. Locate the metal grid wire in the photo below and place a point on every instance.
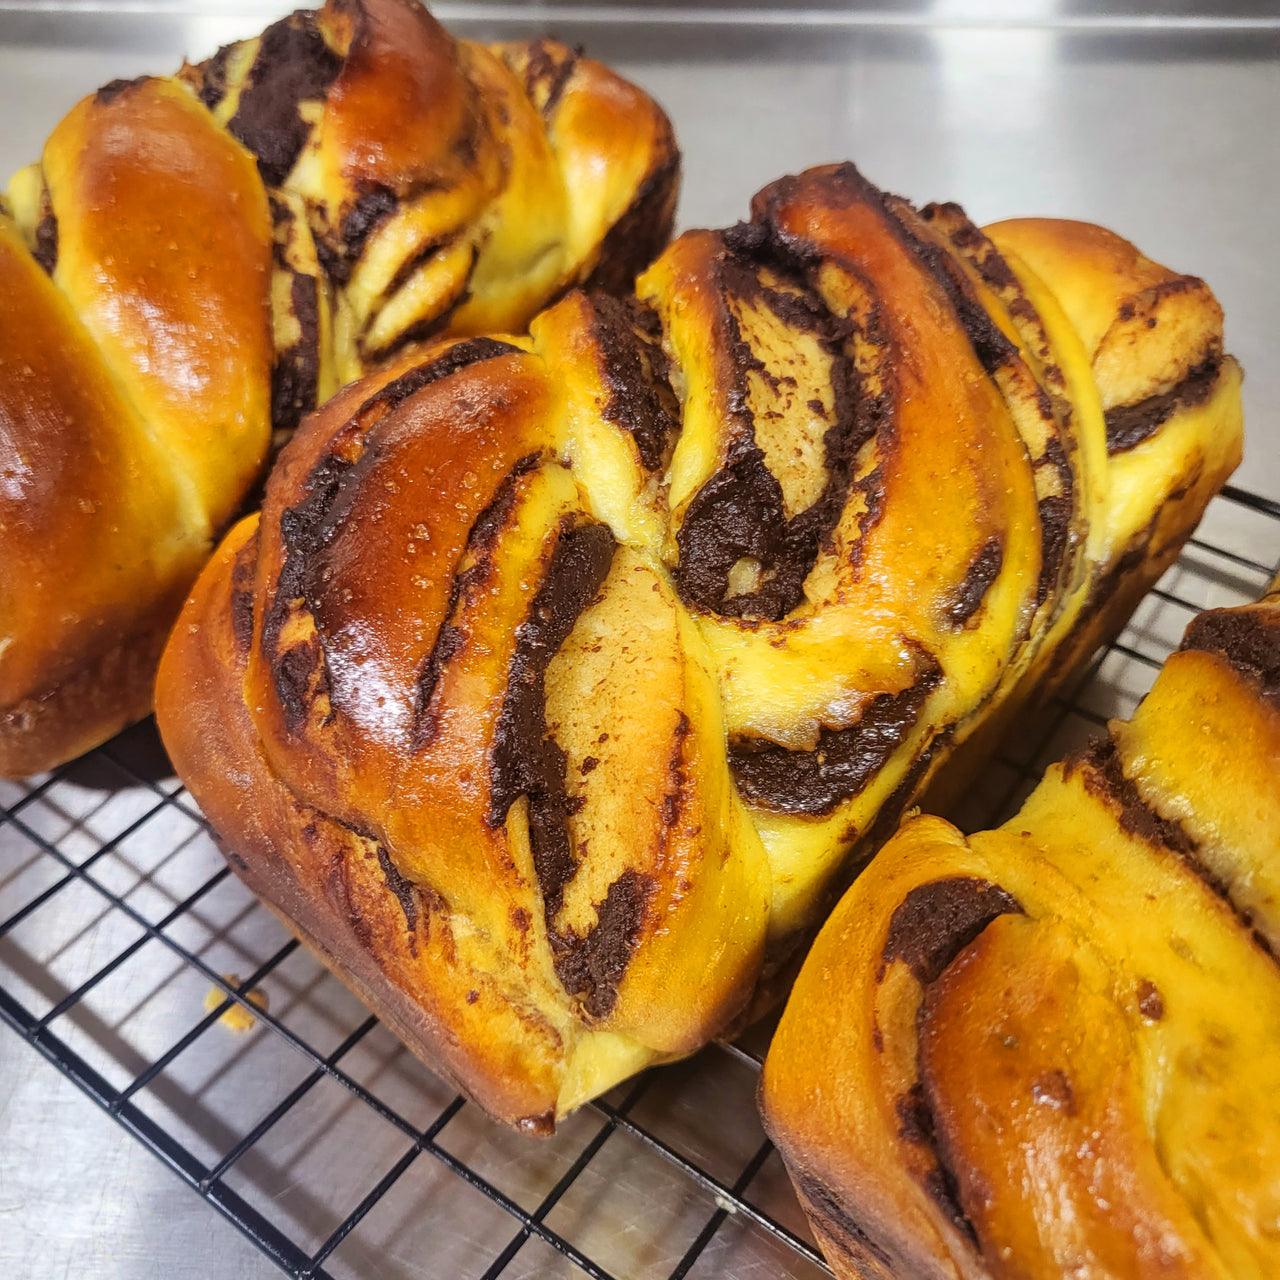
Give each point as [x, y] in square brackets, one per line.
[124, 940]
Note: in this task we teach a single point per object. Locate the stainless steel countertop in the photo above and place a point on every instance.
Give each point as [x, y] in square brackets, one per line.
[1166, 128]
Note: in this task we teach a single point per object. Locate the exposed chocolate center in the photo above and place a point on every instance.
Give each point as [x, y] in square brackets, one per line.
[936, 921]
[738, 514]
[295, 376]
[1249, 639]
[842, 763]
[293, 65]
[528, 761]
[1104, 777]
[1131, 424]
[967, 597]
[637, 372]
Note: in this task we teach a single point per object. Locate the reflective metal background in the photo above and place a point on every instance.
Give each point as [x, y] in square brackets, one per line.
[1161, 122]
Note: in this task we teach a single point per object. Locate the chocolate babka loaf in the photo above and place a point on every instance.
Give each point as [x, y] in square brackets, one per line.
[564, 681]
[1053, 1049]
[197, 261]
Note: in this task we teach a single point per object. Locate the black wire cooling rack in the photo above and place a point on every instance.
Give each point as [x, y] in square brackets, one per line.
[124, 941]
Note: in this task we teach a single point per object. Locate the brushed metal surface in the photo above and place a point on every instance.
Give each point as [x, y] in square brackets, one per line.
[1165, 130]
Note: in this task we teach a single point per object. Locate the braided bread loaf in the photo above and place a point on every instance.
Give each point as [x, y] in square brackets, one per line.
[1053, 1049]
[562, 679]
[198, 260]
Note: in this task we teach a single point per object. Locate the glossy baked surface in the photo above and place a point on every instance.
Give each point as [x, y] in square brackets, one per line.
[196, 262]
[600, 659]
[1050, 1049]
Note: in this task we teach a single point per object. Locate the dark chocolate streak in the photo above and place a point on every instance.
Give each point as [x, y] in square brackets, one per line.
[1055, 456]
[987, 260]
[1103, 776]
[991, 346]
[936, 921]
[642, 232]
[370, 209]
[1131, 424]
[525, 760]
[845, 184]
[637, 372]
[213, 83]
[426, 328]
[738, 513]
[915, 1120]
[528, 761]
[412, 264]
[400, 887]
[305, 529]
[940, 1182]
[243, 572]
[1055, 536]
[114, 88]
[450, 640]
[46, 250]
[941, 1187]
[840, 766]
[988, 340]
[1249, 639]
[543, 72]
[968, 596]
[295, 376]
[293, 65]
[592, 965]
[930, 927]
[309, 525]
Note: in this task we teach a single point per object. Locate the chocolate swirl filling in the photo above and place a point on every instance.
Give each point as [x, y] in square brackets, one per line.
[637, 373]
[932, 925]
[738, 514]
[308, 527]
[1249, 639]
[295, 375]
[1129, 425]
[843, 762]
[642, 232]
[528, 761]
[293, 65]
[46, 248]
[525, 760]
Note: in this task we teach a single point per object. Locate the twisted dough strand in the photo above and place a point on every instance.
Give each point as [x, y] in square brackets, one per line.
[594, 662]
[223, 250]
[1052, 1048]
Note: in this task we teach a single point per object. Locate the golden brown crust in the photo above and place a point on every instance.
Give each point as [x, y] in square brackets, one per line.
[399, 111]
[100, 532]
[199, 260]
[625, 641]
[357, 764]
[1143, 326]
[1052, 1046]
[329, 884]
[184, 332]
[106, 694]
